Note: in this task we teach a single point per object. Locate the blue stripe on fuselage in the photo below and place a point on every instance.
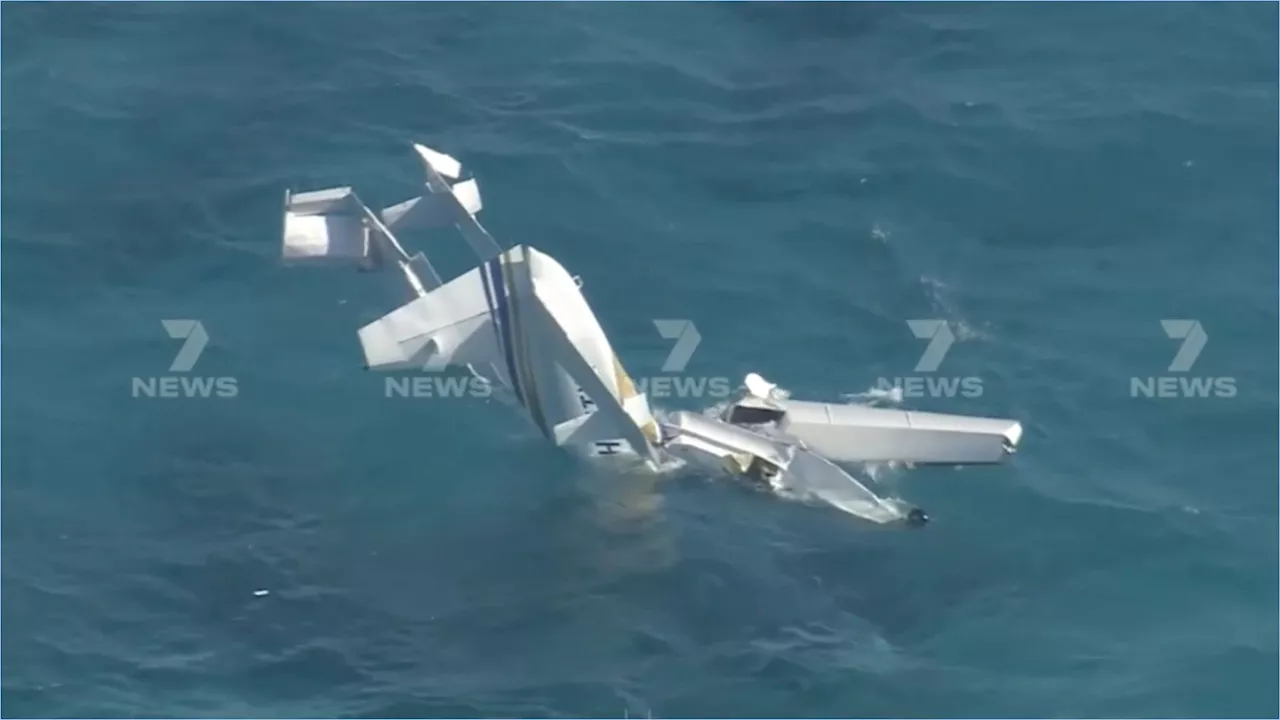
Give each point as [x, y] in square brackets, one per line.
[486, 281]
[494, 270]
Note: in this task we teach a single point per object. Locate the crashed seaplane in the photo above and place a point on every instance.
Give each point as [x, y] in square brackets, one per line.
[519, 322]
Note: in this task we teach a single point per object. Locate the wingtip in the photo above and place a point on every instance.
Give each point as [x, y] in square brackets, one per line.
[442, 163]
[1012, 437]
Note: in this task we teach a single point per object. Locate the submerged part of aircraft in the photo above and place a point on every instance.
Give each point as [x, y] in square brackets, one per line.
[519, 321]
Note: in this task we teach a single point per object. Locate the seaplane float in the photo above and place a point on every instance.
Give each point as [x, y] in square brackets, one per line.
[519, 321]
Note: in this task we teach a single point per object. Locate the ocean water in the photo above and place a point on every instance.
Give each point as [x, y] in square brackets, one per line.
[799, 181]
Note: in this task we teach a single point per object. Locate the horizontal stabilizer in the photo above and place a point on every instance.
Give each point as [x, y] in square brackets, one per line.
[468, 194]
[339, 200]
[435, 210]
[325, 226]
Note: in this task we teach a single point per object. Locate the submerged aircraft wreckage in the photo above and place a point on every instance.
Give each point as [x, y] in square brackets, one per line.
[519, 322]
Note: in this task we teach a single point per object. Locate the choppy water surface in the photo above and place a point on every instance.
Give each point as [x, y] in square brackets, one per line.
[799, 181]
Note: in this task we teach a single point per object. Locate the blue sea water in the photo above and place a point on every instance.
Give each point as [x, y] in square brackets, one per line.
[797, 180]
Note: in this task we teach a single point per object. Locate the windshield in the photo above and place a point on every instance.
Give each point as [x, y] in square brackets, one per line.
[747, 415]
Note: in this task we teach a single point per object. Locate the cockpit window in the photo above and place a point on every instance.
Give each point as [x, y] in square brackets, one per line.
[746, 415]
